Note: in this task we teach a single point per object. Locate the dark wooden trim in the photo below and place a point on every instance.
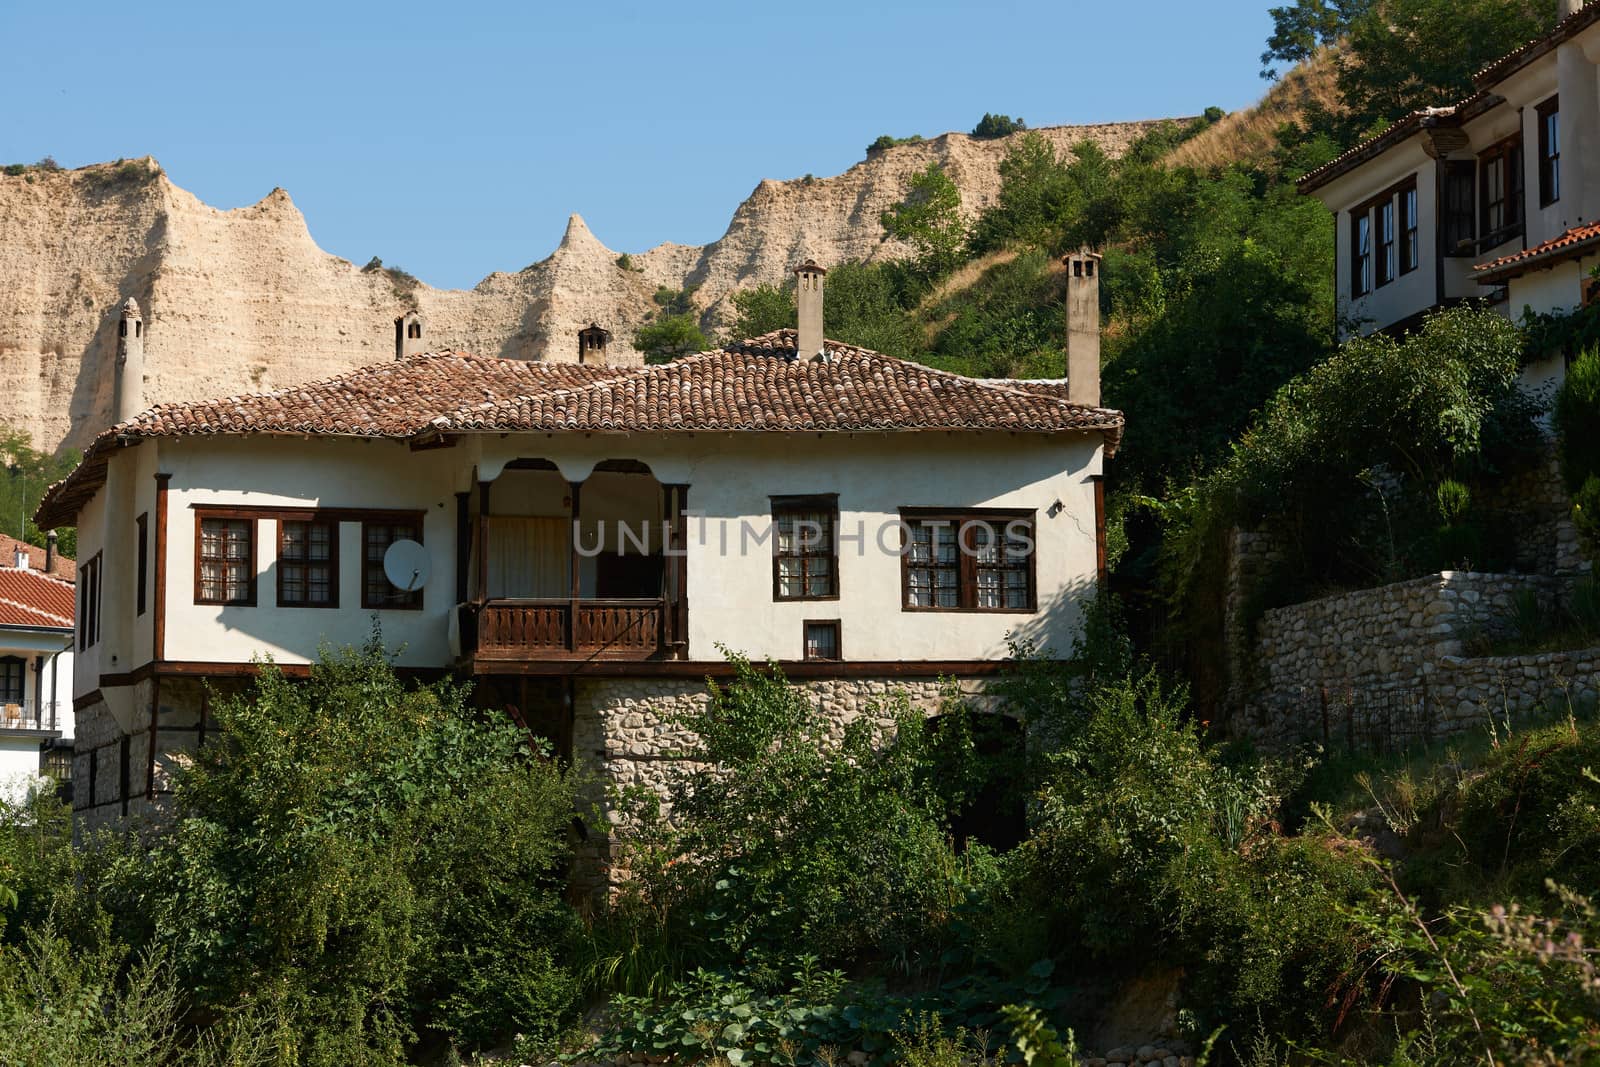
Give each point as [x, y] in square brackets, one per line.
[680, 563]
[576, 488]
[483, 541]
[966, 560]
[323, 514]
[141, 584]
[227, 515]
[463, 544]
[838, 640]
[231, 669]
[669, 668]
[159, 620]
[827, 503]
[428, 444]
[124, 678]
[1102, 569]
[332, 562]
[1502, 150]
[1399, 192]
[416, 518]
[88, 700]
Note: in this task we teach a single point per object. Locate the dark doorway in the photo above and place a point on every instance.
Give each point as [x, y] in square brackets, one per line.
[616, 575]
[995, 810]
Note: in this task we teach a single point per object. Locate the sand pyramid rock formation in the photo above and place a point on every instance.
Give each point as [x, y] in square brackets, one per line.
[244, 300]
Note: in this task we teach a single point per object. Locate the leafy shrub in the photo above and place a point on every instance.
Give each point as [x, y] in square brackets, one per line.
[1577, 413]
[625, 262]
[365, 861]
[14, 170]
[992, 126]
[762, 309]
[887, 141]
[670, 337]
[48, 164]
[929, 220]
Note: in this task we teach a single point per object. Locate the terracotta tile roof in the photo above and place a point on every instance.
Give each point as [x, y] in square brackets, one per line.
[1575, 242]
[759, 385]
[31, 598]
[61, 567]
[756, 384]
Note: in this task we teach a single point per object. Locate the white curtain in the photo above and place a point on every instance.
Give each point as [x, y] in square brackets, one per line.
[528, 557]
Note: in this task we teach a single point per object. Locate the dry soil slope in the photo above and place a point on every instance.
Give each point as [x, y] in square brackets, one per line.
[244, 300]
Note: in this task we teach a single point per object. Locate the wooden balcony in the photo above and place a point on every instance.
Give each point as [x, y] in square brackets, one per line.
[515, 630]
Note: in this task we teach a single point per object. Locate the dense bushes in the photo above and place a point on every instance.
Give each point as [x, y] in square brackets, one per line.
[1577, 413]
[359, 867]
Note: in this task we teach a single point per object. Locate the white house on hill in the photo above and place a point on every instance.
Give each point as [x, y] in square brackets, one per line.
[37, 600]
[1496, 196]
[581, 538]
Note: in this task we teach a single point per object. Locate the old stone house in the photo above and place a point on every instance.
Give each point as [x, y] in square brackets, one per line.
[580, 538]
[1493, 197]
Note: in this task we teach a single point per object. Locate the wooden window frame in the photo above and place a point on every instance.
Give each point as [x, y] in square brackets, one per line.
[967, 560]
[1459, 173]
[201, 515]
[21, 665]
[1385, 254]
[828, 504]
[838, 641]
[1409, 225]
[332, 561]
[1549, 161]
[1360, 262]
[142, 583]
[89, 601]
[393, 518]
[1506, 155]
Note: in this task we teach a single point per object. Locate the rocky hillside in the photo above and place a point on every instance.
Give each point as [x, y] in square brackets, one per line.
[244, 300]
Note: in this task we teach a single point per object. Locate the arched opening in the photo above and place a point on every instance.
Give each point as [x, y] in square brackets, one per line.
[994, 811]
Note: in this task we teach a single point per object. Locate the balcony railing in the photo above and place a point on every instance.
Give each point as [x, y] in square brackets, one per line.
[30, 716]
[566, 629]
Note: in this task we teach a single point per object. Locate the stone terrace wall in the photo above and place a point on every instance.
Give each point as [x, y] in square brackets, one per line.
[1390, 662]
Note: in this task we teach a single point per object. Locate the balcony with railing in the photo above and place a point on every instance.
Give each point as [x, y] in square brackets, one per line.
[30, 715]
[611, 628]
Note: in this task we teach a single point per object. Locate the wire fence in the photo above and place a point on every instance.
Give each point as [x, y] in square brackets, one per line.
[1377, 721]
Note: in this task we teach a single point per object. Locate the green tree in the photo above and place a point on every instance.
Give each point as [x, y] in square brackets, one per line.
[1299, 29]
[929, 220]
[28, 473]
[992, 126]
[762, 309]
[868, 304]
[670, 337]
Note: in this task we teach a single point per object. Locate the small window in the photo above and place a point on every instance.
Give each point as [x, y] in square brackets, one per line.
[1360, 253]
[968, 561]
[308, 563]
[805, 560]
[1460, 213]
[1388, 255]
[1500, 191]
[13, 680]
[225, 561]
[376, 589]
[1549, 114]
[141, 583]
[822, 639]
[89, 602]
[1410, 246]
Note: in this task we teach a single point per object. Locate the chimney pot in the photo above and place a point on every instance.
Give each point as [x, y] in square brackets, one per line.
[128, 374]
[592, 341]
[1083, 328]
[407, 335]
[22, 558]
[50, 552]
[808, 304]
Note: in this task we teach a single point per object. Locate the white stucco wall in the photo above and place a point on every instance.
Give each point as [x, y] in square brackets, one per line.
[731, 480]
[19, 767]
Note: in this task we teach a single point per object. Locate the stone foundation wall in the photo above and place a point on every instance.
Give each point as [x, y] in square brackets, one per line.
[1535, 504]
[622, 735]
[1391, 665]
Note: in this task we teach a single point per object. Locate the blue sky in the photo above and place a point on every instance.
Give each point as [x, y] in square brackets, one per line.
[454, 139]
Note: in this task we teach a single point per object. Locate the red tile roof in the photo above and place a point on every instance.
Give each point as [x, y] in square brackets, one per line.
[31, 598]
[1574, 242]
[1514, 61]
[754, 385]
[61, 567]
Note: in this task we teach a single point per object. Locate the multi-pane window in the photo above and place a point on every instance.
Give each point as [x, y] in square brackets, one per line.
[376, 589]
[1500, 187]
[1387, 260]
[1410, 248]
[308, 563]
[1549, 114]
[1460, 213]
[225, 568]
[89, 602]
[805, 548]
[1360, 253]
[822, 639]
[13, 680]
[972, 561]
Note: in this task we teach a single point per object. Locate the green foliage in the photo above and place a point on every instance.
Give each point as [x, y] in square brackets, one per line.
[1586, 515]
[15, 170]
[364, 862]
[625, 262]
[1577, 414]
[869, 305]
[929, 220]
[669, 337]
[1042, 194]
[887, 141]
[1299, 29]
[1036, 1041]
[28, 473]
[764, 309]
[992, 126]
[1007, 324]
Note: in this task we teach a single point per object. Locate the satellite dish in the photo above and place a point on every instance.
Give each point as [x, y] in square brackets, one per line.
[406, 565]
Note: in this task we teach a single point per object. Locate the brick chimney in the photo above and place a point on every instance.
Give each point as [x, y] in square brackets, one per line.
[128, 381]
[808, 301]
[592, 341]
[407, 335]
[1083, 328]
